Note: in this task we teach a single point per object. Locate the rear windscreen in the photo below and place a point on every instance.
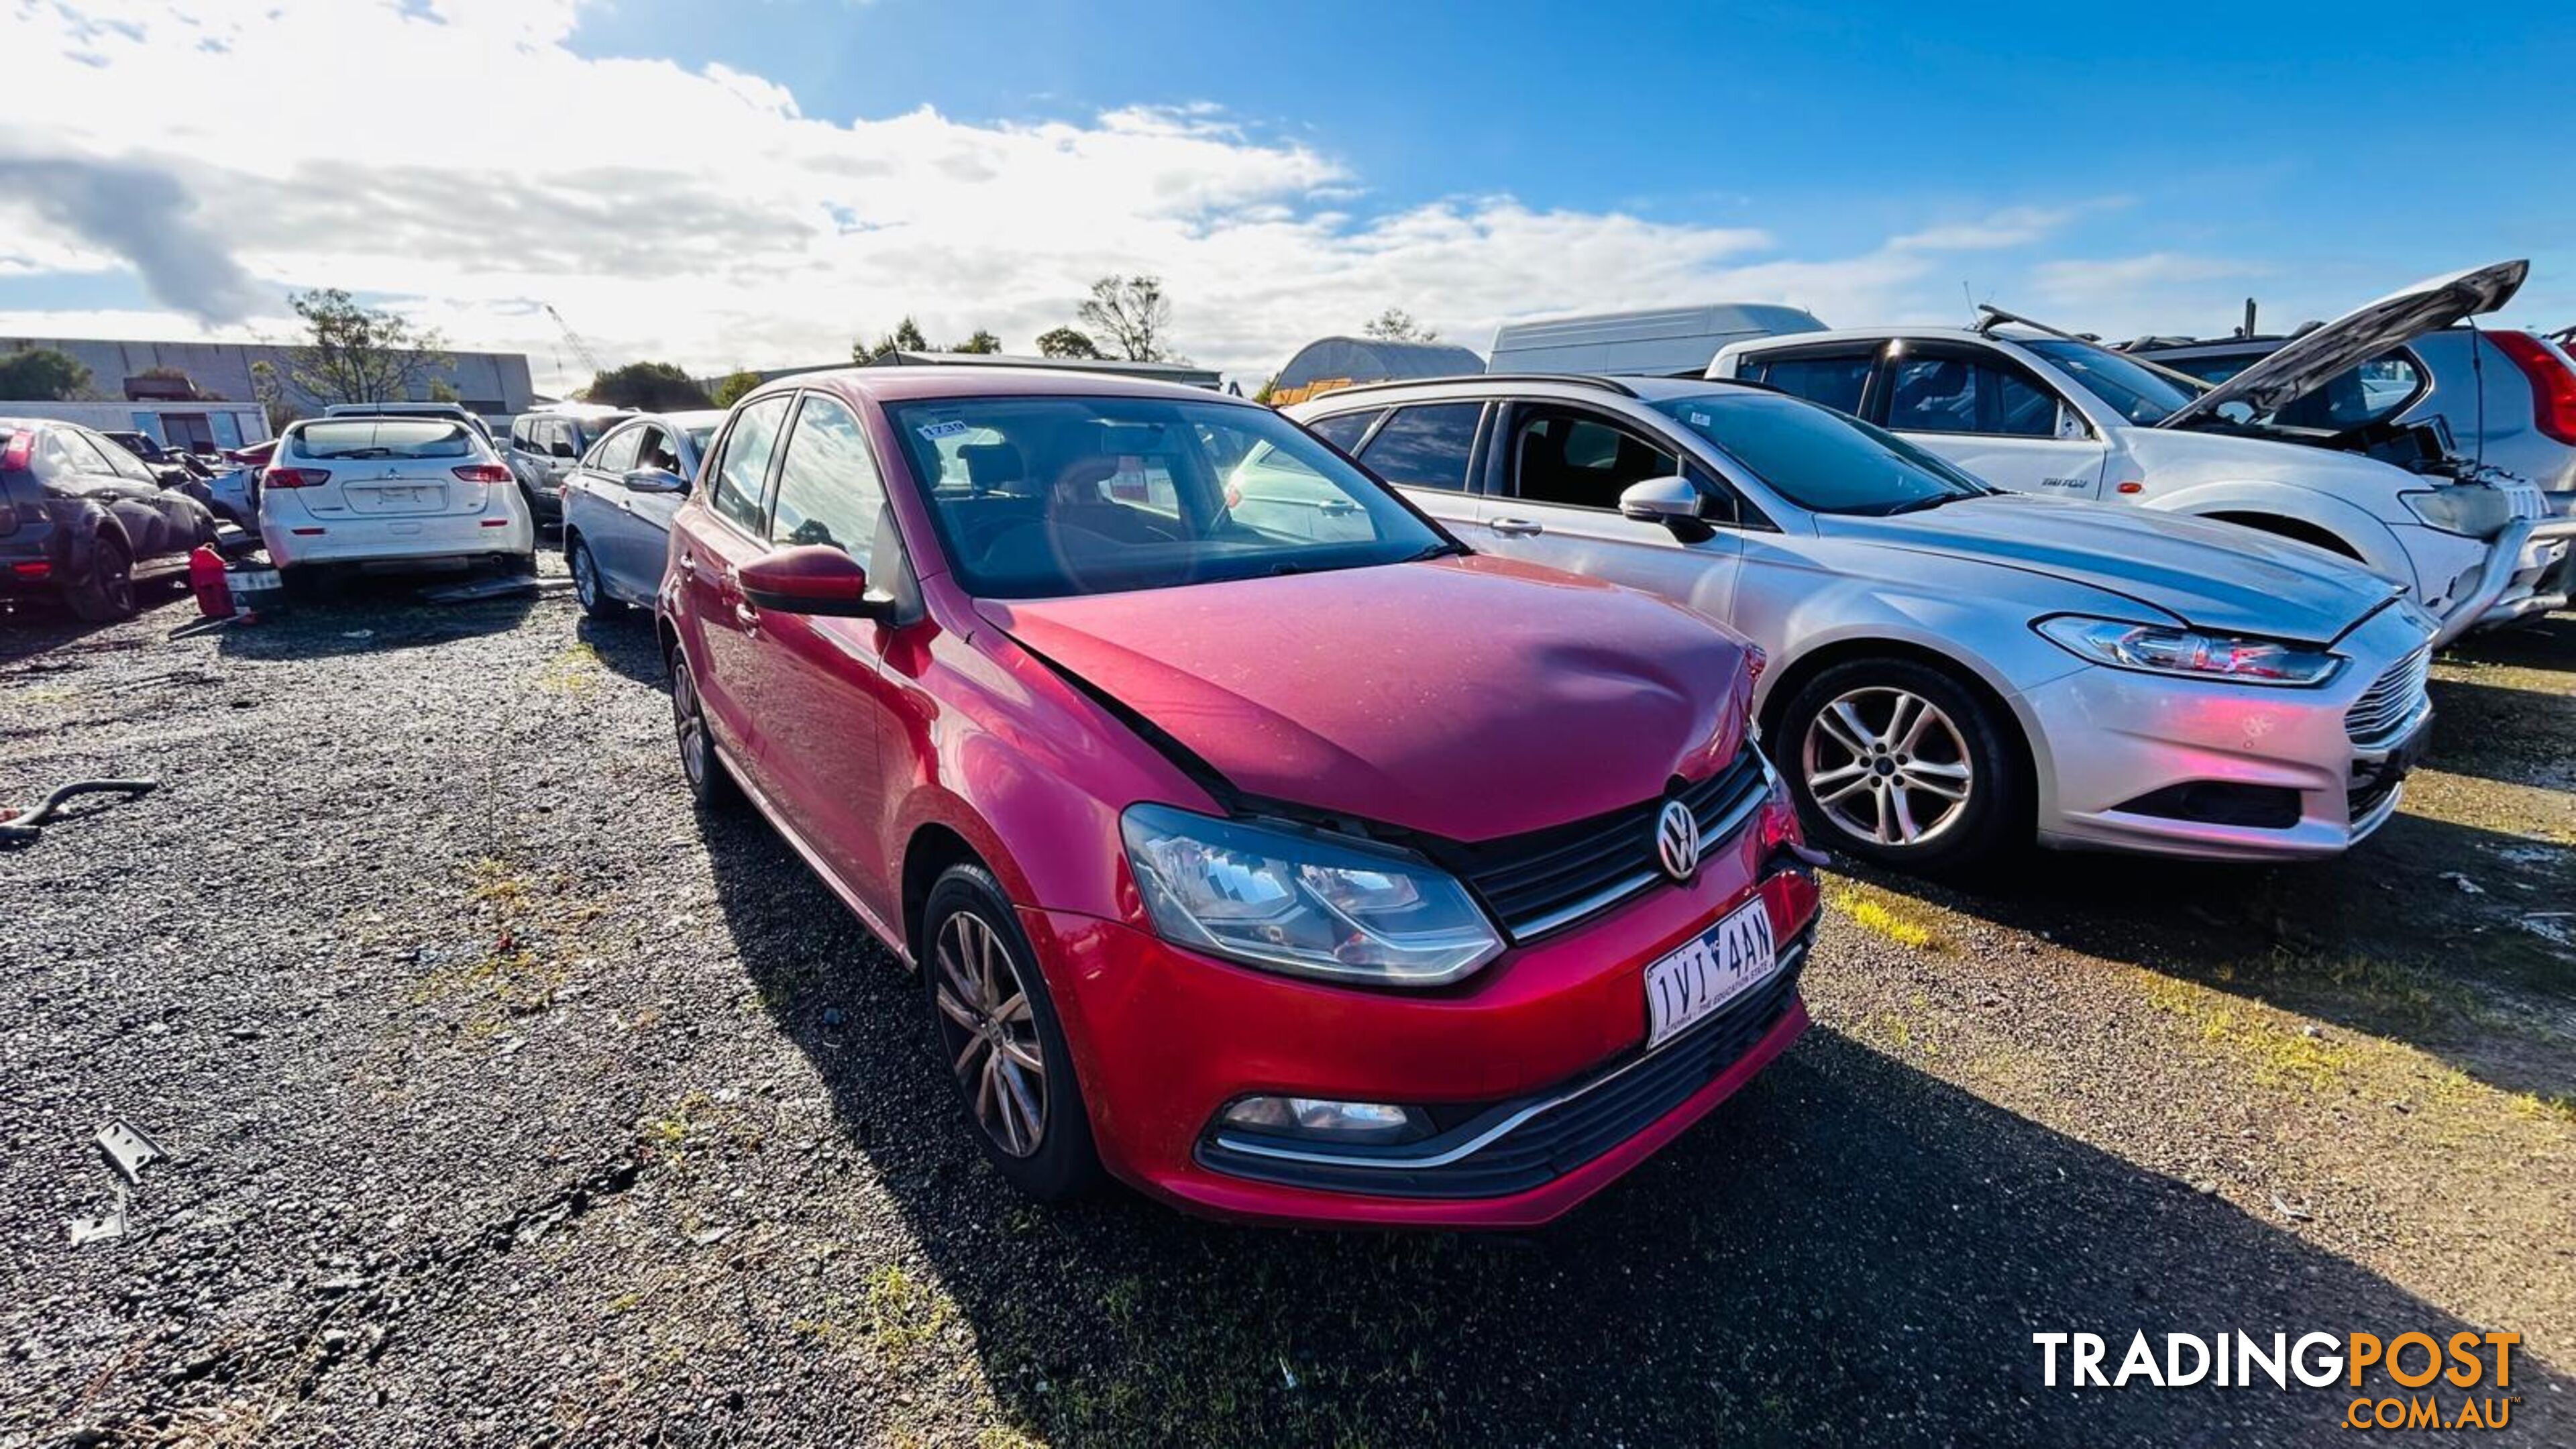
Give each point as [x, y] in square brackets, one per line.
[384, 438]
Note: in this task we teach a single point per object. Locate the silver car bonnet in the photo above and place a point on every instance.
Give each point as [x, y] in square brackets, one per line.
[2305, 363]
[2213, 576]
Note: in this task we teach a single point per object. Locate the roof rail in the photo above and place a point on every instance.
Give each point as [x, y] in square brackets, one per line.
[1573, 379]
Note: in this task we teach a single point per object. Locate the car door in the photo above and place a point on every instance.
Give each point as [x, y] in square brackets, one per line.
[827, 706]
[1429, 450]
[1989, 414]
[596, 504]
[718, 625]
[1563, 467]
[650, 510]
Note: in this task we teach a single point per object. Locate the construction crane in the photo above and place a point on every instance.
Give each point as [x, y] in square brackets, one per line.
[573, 340]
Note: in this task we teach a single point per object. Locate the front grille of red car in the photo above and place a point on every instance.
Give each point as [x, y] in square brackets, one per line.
[1515, 1146]
[1549, 879]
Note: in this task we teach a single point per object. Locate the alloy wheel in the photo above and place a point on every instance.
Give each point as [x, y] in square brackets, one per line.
[585, 576]
[116, 581]
[689, 718]
[991, 1033]
[1887, 765]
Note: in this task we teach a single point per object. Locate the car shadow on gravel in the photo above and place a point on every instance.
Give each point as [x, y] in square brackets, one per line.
[2495, 731]
[2385, 940]
[1850, 1251]
[370, 612]
[33, 627]
[2549, 644]
[626, 646]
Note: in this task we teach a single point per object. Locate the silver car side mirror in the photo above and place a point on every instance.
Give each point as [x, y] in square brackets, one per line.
[1662, 500]
[654, 480]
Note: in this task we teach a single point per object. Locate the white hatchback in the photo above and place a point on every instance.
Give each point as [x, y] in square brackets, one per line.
[391, 490]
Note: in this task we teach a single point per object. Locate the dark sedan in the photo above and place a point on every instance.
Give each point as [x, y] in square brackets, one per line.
[82, 519]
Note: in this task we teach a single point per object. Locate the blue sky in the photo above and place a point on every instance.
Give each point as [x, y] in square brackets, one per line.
[760, 182]
[2356, 139]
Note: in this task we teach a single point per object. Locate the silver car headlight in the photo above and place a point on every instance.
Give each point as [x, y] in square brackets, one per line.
[1296, 901]
[2471, 509]
[2155, 649]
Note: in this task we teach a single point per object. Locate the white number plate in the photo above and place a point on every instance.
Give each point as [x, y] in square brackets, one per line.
[1726, 960]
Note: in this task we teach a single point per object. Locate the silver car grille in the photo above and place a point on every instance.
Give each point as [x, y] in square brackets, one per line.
[2392, 704]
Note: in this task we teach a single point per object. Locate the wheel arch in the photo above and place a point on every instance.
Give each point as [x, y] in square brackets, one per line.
[1797, 673]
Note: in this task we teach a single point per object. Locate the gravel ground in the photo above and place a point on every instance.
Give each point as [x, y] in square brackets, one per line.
[507, 1102]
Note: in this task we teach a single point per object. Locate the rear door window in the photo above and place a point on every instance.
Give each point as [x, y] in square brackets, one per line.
[828, 488]
[1834, 379]
[1963, 395]
[1426, 446]
[743, 469]
[1345, 430]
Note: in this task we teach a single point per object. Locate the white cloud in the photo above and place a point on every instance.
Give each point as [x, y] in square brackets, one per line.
[457, 156]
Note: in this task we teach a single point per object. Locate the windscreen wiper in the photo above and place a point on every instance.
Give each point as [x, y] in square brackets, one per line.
[1447, 548]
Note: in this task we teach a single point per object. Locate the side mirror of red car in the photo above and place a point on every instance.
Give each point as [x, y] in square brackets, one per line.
[815, 578]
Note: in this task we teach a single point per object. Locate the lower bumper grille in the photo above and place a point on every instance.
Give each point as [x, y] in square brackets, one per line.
[1518, 1145]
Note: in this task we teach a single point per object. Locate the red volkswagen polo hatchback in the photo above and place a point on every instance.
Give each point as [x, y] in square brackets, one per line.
[1255, 840]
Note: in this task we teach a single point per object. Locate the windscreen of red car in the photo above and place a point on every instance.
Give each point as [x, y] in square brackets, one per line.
[1041, 497]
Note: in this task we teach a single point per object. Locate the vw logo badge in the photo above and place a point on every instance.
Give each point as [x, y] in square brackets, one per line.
[1677, 840]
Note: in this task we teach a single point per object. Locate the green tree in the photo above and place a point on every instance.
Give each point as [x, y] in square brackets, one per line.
[652, 386]
[43, 374]
[906, 337]
[982, 342]
[1397, 325]
[1133, 314]
[1066, 342]
[733, 385]
[361, 354]
[270, 391]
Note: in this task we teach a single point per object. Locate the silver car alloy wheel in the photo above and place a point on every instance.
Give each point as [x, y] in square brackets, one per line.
[992, 1034]
[585, 576]
[1887, 766]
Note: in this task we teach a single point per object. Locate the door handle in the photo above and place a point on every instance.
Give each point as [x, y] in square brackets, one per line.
[1516, 527]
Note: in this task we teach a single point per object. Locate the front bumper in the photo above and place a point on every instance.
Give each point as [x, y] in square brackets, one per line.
[1163, 1039]
[2526, 573]
[2106, 740]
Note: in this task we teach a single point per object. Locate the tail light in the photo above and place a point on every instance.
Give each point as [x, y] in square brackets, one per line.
[483, 473]
[20, 449]
[294, 477]
[2553, 382]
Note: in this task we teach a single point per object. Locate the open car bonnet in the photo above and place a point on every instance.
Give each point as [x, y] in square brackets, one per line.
[2306, 362]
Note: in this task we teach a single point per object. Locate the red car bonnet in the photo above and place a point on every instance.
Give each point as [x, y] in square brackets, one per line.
[1469, 698]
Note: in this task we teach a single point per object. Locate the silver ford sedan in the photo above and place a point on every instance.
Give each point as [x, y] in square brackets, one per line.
[1952, 669]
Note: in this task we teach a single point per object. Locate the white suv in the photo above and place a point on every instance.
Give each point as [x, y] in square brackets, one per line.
[372, 490]
[2037, 411]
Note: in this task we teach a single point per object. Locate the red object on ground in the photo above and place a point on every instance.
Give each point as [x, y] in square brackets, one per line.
[206, 578]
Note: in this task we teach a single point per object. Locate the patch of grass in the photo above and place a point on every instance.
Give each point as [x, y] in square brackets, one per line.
[2540, 1108]
[2278, 1055]
[899, 1313]
[1879, 918]
[576, 671]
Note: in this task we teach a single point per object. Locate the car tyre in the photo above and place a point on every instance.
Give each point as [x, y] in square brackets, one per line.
[1902, 764]
[710, 779]
[587, 586]
[106, 593]
[1000, 1038]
